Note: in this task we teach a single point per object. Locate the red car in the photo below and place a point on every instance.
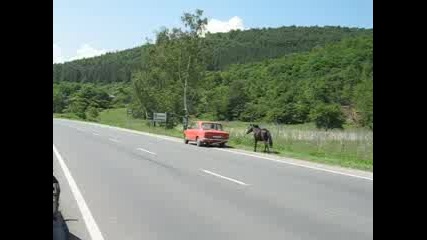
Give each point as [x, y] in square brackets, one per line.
[206, 133]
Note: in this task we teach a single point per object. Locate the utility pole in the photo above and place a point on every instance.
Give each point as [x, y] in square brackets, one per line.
[185, 120]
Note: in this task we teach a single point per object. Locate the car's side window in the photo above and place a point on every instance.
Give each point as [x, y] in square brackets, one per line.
[192, 125]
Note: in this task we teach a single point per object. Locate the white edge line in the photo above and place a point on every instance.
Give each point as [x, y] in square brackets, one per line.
[141, 149]
[299, 165]
[91, 225]
[223, 177]
[124, 130]
[174, 140]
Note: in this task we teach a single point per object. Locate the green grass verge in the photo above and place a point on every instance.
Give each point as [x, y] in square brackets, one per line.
[351, 148]
[66, 115]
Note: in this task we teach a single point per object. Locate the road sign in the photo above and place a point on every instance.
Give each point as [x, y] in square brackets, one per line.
[160, 117]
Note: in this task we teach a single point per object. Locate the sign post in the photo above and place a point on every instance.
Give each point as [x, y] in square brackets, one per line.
[160, 118]
[128, 115]
[185, 122]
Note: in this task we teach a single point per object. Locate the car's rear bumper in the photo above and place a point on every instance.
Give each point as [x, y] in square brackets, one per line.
[213, 140]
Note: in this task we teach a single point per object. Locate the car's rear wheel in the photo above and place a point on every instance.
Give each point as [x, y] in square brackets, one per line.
[185, 140]
[198, 142]
[221, 145]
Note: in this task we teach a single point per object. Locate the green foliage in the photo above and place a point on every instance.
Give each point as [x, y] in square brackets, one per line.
[226, 48]
[174, 67]
[288, 75]
[237, 99]
[58, 101]
[81, 100]
[327, 116]
[364, 102]
[92, 113]
[349, 148]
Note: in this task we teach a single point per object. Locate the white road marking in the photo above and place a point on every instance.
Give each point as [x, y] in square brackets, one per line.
[91, 225]
[114, 140]
[225, 150]
[223, 177]
[96, 134]
[297, 164]
[141, 149]
[125, 130]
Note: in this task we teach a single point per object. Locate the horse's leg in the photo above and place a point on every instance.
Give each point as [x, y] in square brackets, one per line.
[255, 145]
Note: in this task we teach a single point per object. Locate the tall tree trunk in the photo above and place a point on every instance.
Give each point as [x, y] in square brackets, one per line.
[186, 86]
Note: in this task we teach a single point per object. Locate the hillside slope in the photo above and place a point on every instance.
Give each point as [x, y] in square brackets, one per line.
[303, 87]
[227, 48]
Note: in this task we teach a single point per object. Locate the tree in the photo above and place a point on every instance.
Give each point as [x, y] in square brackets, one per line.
[76, 98]
[77, 106]
[58, 100]
[286, 75]
[237, 100]
[92, 113]
[143, 94]
[364, 102]
[327, 116]
[177, 59]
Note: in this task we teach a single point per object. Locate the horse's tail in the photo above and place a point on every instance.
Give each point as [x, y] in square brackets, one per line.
[270, 139]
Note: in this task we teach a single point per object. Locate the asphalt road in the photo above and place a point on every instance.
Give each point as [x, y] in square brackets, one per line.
[123, 185]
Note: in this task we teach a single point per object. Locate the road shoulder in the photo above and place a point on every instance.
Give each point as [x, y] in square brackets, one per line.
[279, 159]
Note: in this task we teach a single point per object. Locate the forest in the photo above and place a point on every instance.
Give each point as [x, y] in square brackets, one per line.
[287, 75]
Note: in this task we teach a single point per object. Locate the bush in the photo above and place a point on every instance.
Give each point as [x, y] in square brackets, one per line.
[92, 113]
[364, 102]
[327, 116]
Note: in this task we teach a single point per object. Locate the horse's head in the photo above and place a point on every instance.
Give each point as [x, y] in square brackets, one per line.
[251, 128]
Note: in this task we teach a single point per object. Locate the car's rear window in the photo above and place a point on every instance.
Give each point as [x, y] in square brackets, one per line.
[212, 126]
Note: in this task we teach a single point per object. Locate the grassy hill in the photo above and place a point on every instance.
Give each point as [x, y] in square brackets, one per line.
[228, 48]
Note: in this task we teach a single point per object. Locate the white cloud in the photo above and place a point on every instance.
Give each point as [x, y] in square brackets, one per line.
[86, 51]
[57, 54]
[233, 23]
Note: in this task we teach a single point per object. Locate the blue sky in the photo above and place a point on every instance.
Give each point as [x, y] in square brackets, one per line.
[84, 28]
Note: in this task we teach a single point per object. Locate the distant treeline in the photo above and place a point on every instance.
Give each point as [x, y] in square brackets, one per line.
[227, 48]
[285, 75]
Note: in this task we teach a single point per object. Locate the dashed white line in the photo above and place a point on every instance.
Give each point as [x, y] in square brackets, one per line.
[223, 177]
[141, 149]
[124, 130]
[299, 165]
[77, 128]
[225, 150]
[91, 225]
[114, 140]
[96, 134]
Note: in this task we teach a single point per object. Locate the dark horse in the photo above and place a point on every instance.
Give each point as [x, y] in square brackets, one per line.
[261, 135]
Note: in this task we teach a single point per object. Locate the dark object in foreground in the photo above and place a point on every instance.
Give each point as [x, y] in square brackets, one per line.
[261, 135]
[56, 193]
[60, 230]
